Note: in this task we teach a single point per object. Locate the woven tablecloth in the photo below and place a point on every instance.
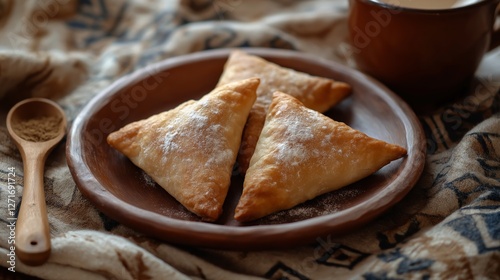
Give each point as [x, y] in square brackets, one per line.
[447, 227]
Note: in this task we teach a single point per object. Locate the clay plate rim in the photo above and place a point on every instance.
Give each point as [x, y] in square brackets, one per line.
[251, 237]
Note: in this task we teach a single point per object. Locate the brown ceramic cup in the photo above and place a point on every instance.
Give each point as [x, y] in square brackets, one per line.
[425, 56]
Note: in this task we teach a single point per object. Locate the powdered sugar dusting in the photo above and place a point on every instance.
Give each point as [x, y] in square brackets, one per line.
[169, 144]
[175, 133]
[299, 130]
[194, 125]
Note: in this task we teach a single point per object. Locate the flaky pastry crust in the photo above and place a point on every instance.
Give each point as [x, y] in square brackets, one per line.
[190, 150]
[302, 154]
[317, 93]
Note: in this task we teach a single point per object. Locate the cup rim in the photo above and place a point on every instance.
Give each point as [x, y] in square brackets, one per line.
[428, 11]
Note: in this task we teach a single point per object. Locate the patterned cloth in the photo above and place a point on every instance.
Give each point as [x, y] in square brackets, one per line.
[448, 227]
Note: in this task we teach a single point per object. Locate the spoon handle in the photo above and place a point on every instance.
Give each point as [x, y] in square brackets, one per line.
[32, 230]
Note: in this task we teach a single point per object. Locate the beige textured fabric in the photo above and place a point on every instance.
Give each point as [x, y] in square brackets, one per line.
[447, 227]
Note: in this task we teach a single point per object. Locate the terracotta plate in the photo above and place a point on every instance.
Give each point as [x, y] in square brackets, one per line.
[125, 193]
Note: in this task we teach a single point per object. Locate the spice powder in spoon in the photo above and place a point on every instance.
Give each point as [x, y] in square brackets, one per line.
[38, 129]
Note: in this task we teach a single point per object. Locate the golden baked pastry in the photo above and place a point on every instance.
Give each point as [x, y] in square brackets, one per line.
[302, 154]
[190, 150]
[317, 93]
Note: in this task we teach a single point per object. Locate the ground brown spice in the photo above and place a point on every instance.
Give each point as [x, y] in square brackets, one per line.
[38, 129]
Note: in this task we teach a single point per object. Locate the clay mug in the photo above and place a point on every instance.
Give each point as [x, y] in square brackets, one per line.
[426, 53]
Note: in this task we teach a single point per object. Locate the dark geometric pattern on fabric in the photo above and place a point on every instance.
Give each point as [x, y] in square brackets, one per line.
[481, 226]
[341, 256]
[406, 264]
[449, 124]
[280, 271]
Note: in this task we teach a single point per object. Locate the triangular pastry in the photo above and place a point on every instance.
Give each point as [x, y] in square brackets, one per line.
[317, 93]
[190, 150]
[302, 154]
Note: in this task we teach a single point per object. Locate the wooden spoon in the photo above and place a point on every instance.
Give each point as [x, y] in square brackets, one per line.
[28, 125]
